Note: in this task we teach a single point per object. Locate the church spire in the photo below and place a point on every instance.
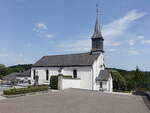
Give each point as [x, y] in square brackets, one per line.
[97, 39]
[97, 30]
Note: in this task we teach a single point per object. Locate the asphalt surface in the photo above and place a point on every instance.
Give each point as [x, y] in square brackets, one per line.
[74, 101]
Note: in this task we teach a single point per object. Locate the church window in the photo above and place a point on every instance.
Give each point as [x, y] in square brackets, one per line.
[74, 73]
[47, 74]
[34, 74]
[101, 84]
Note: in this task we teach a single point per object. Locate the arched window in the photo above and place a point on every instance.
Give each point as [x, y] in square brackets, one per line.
[101, 84]
[74, 73]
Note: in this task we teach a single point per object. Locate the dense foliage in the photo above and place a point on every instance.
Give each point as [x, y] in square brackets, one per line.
[54, 82]
[130, 80]
[17, 68]
[119, 82]
[25, 90]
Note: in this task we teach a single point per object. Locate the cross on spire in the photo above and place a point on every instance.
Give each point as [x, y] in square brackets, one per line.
[97, 10]
[97, 30]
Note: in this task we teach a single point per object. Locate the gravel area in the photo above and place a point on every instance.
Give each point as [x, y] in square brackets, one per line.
[74, 101]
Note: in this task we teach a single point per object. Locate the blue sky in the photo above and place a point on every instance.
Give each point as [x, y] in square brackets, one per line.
[30, 29]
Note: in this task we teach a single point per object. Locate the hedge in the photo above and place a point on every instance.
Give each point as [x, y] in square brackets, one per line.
[25, 90]
[54, 82]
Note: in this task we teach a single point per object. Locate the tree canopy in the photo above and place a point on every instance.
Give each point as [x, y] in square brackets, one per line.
[17, 68]
[129, 80]
[119, 82]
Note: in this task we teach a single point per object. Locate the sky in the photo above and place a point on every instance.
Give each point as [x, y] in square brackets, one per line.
[30, 29]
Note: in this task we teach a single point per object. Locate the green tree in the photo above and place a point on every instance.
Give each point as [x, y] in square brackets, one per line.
[17, 68]
[119, 82]
[141, 79]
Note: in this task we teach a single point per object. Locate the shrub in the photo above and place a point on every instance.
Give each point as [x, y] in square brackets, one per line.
[25, 90]
[67, 76]
[54, 82]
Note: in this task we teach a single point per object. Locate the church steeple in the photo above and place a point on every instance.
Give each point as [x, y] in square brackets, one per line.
[97, 38]
[97, 30]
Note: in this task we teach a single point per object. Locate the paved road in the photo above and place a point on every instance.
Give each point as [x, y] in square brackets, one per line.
[74, 101]
[1, 97]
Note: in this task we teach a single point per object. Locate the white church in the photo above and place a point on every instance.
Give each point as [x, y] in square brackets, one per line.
[87, 70]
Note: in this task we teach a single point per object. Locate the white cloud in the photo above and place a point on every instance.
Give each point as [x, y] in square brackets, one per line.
[41, 26]
[111, 32]
[131, 42]
[133, 51]
[112, 50]
[140, 37]
[137, 39]
[41, 30]
[112, 43]
[119, 26]
[36, 30]
[76, 46]
[146, 42]
[48, 35]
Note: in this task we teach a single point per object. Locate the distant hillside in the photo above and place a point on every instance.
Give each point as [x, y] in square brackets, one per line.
[16, 68]
[24, 66]
[129, 80]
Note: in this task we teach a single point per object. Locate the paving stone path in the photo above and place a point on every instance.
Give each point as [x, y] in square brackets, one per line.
[74, 101]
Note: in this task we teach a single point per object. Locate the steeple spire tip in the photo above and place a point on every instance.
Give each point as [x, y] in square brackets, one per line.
[97, 30]
[97, 10]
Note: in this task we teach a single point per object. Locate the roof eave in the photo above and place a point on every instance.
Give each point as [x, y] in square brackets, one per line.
[64, 66]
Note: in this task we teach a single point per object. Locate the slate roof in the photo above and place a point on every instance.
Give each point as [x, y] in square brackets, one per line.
[97, 30]
[103, 75]
[26, 73]
[11, 76]
[81, 59]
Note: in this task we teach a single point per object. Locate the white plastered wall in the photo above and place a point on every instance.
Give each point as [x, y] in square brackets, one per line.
[97, 66]
[71, 83]
[83, 73]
